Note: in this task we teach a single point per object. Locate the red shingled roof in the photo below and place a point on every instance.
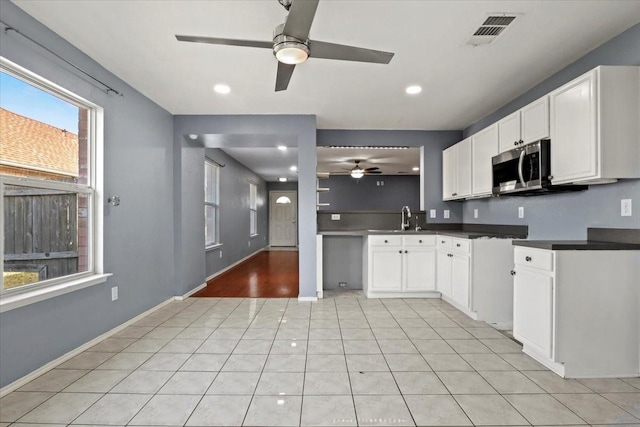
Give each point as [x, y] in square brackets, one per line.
[35, 145]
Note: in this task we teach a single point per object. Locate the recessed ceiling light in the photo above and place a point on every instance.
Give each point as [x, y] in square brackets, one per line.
[282, 179]
[222, 89]
[293, 168]
[282, 148]
[415, 169]
[413, 90]
[193, 136]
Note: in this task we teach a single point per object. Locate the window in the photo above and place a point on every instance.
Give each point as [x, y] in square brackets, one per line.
[211, 206]
[48, 178]
[253, 210]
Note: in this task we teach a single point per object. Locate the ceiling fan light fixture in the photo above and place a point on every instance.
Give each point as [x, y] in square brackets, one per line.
[413, 90]
[357, 173]
[291, 52]
[222, 89]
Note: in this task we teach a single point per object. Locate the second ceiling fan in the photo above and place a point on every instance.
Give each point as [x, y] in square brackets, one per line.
[291, 44]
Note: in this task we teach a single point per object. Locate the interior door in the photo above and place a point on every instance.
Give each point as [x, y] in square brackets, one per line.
[283, 224]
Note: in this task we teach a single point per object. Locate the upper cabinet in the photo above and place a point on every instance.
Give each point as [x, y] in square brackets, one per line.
[456, 171]
[526, 125]
[595, 127]
[484, 147]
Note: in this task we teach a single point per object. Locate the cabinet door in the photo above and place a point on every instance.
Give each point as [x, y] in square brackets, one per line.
[420, 269]
[573, 130]
[449, 173]
[460, 266]
[533, 310]
[386, 269]
[484, 147]
[535, 120]
[463, 168]
[509, 131]
[443, 273]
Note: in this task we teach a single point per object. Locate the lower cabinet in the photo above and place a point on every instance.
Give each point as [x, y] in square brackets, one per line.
[400, 266]
[576, 311]
[473, 275]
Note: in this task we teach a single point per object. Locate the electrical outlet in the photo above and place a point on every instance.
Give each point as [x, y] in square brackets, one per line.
[625, 207]
[432, 213]
[342, 284]
[446, 214]
[475, 213]
[521, 212]
[114, 293]
[335, 217]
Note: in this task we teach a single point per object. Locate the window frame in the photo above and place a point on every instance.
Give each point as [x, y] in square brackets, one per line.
[38, 291]
[253, 209]
[215, 204]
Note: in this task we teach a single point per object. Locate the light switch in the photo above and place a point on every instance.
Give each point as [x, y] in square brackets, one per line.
[475, 213]
[432, 213]
[446, 214]
[521, 212]
[335, 217]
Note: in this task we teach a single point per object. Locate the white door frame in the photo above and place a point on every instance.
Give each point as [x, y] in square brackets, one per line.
[274, 194]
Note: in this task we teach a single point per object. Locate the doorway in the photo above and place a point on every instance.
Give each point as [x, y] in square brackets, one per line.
[283, 218]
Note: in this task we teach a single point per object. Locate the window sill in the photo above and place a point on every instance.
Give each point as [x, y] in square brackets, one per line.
[253, 236]
[213, 247]
[11, 302]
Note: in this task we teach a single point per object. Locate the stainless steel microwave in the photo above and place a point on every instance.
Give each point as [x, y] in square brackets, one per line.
[526, 170]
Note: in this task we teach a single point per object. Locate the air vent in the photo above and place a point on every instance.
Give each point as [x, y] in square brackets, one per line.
[493, 26]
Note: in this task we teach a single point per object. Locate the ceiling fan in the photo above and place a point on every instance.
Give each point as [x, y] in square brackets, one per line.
[358, 172]
[292, 46]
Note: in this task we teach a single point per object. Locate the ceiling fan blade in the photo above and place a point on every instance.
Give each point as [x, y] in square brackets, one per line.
[300, 18]
[375, 168]
[372, 172]
[347, 53]
[283, 76]
[228, 42]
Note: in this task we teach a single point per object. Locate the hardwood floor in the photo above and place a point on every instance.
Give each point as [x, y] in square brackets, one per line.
[268, 274]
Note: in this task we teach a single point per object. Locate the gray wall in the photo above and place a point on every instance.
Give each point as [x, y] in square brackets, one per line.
[342, 261]
[190, 259]
[282, 186]
[364, 194]
[138, 238]
[234, 213]
[432, 141]
[566, 216]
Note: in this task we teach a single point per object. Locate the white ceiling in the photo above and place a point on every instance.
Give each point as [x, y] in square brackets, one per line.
[461, 84]
[390, 162]
[135, 39]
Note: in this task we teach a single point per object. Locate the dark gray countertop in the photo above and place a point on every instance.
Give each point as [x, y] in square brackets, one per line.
[453, 233]
[576, 245]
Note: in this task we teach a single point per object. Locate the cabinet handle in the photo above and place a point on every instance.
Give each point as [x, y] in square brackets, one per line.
[442, 241]
[458, 244]
[454, 194]
[513, 272]
[528, 259]
[550, 177]
[406, 252]
[419, 241]
[386, 241]
[521, 142]
[399, 252]
[515, 142]
[449, 255]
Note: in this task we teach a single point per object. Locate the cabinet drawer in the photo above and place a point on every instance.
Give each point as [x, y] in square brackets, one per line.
[385, 240]
[445, 242]
[461, 245]
[534, 258]
[419, 240]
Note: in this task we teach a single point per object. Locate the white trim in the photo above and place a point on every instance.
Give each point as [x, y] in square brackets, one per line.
[229, 267]
[12, 301]
[191, 292]
[312, 299]
[34, 374]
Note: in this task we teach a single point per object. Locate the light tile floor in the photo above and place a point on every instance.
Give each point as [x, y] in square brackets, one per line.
[343, 361]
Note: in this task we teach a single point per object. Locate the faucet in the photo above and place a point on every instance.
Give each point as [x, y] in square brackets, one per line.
[405, 222]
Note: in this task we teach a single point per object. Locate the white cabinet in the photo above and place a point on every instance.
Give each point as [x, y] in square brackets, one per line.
[484, 146]
[526, 125]
[576, 311]
[400, 265]
[595, 127]
[456, 171]
[473, 275]
[453, 269]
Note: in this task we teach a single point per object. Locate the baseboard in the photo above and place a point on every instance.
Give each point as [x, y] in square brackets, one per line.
[229, 267]
[191, 292]
[60, 360]
[312, 299]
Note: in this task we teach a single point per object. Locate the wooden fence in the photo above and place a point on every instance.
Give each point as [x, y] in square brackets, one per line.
[41, 231]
